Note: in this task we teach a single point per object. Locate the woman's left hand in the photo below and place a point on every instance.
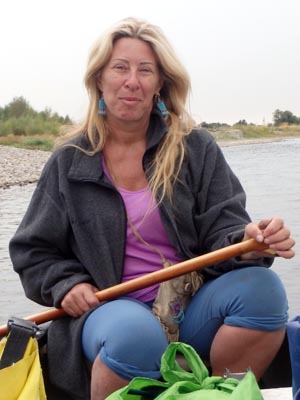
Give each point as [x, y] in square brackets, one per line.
[272, 232]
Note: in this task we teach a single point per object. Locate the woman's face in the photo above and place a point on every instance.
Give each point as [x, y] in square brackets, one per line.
[129, 81]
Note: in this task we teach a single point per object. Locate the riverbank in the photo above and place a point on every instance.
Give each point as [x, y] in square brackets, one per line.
[240, 142]
[22, 166]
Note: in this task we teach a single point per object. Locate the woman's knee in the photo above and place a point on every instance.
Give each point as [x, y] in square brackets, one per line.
[252, 297]
[258, 300]
[260, 289]
[127, 337]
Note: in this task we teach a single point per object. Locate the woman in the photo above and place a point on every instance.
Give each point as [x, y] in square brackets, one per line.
[135, 184]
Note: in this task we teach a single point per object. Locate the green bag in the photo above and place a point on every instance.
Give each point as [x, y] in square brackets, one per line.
[195, 384]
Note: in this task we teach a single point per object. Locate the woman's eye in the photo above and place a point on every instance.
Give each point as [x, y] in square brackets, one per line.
[120, 67]
[146, 70]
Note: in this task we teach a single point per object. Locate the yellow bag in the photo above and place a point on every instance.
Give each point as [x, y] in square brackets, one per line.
[23, 379]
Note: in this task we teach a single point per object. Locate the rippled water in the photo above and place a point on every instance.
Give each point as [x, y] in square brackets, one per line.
[13, 203]
[270, 174]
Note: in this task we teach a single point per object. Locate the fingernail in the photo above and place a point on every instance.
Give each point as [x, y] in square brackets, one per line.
[259, 238]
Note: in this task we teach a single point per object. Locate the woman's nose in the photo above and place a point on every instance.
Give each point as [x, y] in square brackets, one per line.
[132, 80]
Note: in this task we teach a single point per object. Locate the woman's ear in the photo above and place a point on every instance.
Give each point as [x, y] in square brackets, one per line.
[161, 84]
[99, 85]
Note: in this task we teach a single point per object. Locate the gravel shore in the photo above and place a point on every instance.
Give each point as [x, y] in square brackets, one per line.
[20, 166]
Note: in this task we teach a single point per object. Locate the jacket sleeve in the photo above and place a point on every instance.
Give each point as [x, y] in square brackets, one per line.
[41, 248]
[220, 214]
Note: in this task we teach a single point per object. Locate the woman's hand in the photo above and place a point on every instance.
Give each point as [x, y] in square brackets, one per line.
[272, 232]
[80, 299]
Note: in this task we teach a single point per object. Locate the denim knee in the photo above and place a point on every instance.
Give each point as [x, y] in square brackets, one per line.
[259, 300]
[251, 297]
[127, 337]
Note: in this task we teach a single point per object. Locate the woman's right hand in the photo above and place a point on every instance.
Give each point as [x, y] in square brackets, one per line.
[80, 299]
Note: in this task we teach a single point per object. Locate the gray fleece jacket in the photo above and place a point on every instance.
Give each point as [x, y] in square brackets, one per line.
[75, 226]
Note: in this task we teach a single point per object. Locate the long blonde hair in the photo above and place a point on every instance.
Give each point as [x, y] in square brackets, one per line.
[174, 92]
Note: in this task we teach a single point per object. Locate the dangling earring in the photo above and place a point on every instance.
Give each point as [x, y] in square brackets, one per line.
[162, 107]
[102, 106]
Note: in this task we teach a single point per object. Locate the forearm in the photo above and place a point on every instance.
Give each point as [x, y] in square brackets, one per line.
[48, 279]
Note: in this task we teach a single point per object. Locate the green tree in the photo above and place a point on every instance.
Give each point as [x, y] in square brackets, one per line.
[19, 118]
[46, 114]
[18, 107]
[241, 122]
[284, 117]
[67, 120]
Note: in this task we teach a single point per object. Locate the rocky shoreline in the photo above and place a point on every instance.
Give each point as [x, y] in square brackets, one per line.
[21, 167]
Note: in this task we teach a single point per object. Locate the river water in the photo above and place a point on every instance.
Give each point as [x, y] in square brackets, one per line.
[270, 174]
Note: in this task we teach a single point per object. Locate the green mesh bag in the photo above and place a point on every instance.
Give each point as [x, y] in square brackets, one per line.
[190, 383]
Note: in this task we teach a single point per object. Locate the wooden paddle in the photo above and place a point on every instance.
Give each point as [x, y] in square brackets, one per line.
[155, 277]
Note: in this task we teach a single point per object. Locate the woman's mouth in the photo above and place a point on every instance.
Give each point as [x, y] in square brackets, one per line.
[130, 99]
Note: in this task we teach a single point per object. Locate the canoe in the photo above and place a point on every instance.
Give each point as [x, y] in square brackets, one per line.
[275, 384]
[277, 394]
[278, 375]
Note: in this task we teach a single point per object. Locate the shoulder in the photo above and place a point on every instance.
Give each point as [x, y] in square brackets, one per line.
[201, 143]
[67, 150]
[63, 157]
[203, 155]
[200, 137]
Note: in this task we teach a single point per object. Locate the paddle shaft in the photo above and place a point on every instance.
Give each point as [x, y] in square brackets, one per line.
[155, 277]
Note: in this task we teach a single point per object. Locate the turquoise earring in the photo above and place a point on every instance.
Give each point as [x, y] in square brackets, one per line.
[102, 106]
[162, 107]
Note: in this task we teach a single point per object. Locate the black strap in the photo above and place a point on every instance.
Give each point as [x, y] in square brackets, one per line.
[19, 333]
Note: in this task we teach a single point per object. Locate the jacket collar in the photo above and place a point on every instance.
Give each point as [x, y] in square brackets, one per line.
[89, 168]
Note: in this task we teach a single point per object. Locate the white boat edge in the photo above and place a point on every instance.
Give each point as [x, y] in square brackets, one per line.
[277, 394]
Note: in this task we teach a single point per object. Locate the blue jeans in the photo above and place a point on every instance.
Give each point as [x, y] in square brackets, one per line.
[130, 341]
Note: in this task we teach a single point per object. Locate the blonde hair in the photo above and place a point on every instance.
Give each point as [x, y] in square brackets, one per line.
[174, 92]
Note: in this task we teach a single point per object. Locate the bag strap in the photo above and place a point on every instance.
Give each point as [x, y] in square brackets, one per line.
[194, 371]
[166, 263]
[20, 331]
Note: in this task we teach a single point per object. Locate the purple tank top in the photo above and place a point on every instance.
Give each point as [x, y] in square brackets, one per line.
[140, 259]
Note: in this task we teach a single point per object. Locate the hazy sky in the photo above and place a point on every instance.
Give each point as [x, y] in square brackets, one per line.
[243, 56]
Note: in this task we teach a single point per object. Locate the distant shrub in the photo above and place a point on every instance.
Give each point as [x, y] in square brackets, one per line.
[255, 131]
[19, 118]
[285, 117]
[38, 143]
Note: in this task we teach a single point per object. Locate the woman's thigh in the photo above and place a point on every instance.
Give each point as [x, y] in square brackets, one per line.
[251, 297]
[126, 336]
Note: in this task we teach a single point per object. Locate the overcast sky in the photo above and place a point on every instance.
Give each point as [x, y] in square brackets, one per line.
[243, 56]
